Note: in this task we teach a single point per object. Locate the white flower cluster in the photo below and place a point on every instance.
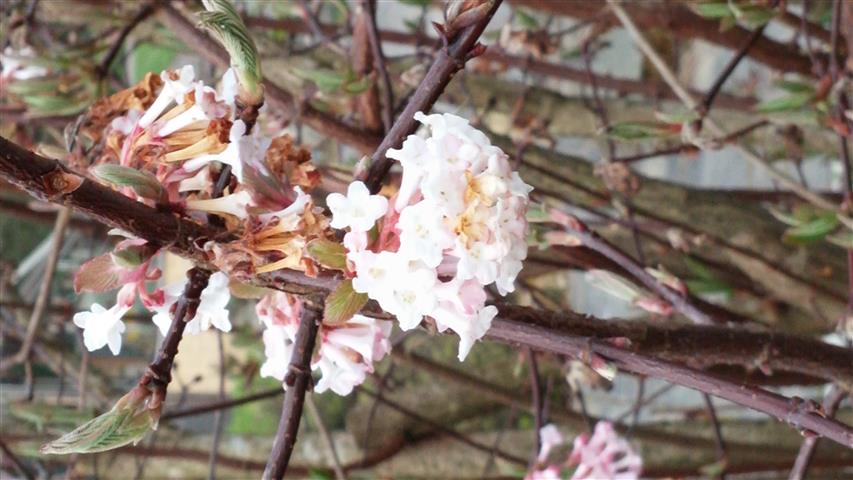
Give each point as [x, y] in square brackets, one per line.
[346, 353]
[460, 226]
[603, 455]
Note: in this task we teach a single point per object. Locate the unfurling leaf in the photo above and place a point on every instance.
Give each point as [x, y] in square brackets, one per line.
[132, 255]
[343, 303]
[226, 25]
[127, 422]
[813, 230]
[328, 253]
[794, 101]
[143, 183]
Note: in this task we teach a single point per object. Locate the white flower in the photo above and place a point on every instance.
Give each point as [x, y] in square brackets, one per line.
[469, 326]
[604, 455]
[549, 437]
[278, 348]
[173, 91]
[293, 212]
[358, 210]
[102, 327]
[212, 306]
[234, 204]
[240, 149]
[423, 234]
[347, 353]
[162, 313]
[206, 107]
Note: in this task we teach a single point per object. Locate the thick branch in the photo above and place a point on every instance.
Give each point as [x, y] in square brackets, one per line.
[298, 380]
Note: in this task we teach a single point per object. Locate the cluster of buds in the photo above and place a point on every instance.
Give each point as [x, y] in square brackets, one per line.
[604, 454]
[346, 351]
[456, 225]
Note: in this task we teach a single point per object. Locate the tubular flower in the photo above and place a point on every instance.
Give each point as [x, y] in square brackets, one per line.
[458, 224]
[603, 455]
[102, 326]
[345, 354]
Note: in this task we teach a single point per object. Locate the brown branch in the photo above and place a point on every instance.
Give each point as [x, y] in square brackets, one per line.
[718, 434]
[369, 8]
[221, 405]
[297, 381]
[15, 461]
[538, 404]
[515, 324]
[448, 61]
[523, 330]
[678, 20]
[830, 406]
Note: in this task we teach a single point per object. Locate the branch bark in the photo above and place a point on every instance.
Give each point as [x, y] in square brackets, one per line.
[297, 381]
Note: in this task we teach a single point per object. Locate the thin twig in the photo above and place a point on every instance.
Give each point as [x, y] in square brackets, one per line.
[688, 100]
[16, 462]
[297, 380]
[218, 416]
[369, 7]
[830, 405]
[536, 388]
[145, 12]
[718, 434]
[327, 437]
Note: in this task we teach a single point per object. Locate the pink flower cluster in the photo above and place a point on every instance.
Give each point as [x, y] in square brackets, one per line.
[604, 455]
[458, 224]
[346, 352]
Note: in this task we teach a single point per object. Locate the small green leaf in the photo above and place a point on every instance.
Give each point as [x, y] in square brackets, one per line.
[684, 116]
[143, 183]
[127, 422]
[812, 231]
[327, 80]
[343, 303]
[638, 130]
[784, 217]
[98, 275]
[708, 287]
[712, 9]
[792, 86]
[527, 21]
[131, 256]
[416, 3]
[536, 213]
[356, 87]
[328, 253]
[794, 101]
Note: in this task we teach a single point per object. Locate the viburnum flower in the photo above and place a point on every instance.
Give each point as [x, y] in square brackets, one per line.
[211, 310]
[346, 351]
[603, 455]
[103, 326]
[240, 149]
[358, 210]
[175, 87]
[16, 65]
[458, 225]
[235, 204]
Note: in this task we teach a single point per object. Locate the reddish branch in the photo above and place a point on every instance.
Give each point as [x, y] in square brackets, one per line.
[830, 406]
[297, 381]
[448, 61]
[537, 329]
[678, 20]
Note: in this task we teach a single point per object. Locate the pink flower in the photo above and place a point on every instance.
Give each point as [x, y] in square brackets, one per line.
[604, 455]
[549, 437]
[347, 353]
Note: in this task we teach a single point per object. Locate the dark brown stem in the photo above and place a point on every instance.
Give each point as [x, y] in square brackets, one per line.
[298, 379]
[369, 7]
[221, 405]
[143, 13]
[536, 388]
[718, 433]
[708, 100]
[830, 405]
[448, 61]
[158, 375]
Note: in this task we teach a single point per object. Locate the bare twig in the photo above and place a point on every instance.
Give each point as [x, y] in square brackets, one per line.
[218, 416]
[143, 13]
[369, 7]
[688, 100]
[536, 389]
[15, 461]
[718, 434]
[830, 405]
[327, 437]
[297, 381]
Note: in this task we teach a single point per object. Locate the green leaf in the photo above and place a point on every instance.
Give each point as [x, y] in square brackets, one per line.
[754, 15]
[842, 239]
[143, 183]
[527, 21]
[792, 86]
[356, 87]
[684, 116]
[127, 422]
[712, 9]
[813, 230]
[416, 3]
[343, 303]
[784, 217]
[150, 57]
[708, 287]
[794, 101]
[328, 253]
[638, 130]
[226, 25]
[327, 80]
